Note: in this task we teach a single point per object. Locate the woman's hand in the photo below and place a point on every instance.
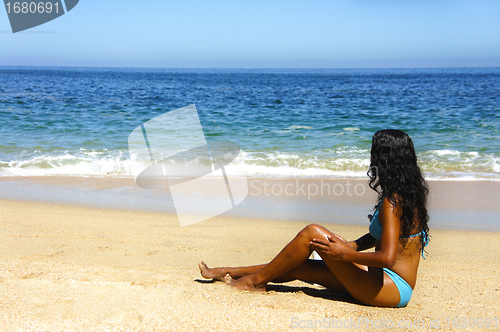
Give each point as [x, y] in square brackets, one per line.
[334, 247]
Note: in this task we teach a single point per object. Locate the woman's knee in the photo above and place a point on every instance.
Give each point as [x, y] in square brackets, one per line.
[315, 231]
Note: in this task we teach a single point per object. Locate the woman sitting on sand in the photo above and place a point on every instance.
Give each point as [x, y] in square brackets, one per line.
[398, 231]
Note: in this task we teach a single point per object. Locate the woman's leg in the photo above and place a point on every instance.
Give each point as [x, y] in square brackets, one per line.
[314, 271]
[235, 272]
[368, 285]
[238, 272]
[294, 254]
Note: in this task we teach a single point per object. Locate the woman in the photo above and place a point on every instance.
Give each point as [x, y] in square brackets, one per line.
[398, 231]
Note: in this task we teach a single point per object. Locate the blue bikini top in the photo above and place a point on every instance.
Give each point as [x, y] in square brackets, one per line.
[375, 228]
[375, 225]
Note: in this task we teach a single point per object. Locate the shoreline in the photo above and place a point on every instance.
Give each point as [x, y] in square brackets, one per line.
[461, 205]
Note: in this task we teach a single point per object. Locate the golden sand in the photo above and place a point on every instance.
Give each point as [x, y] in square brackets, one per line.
[77, 268]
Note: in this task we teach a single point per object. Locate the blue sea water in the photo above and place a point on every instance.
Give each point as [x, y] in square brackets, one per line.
[288, 123]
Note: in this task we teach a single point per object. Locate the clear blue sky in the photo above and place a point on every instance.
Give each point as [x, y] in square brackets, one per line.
[262, 34]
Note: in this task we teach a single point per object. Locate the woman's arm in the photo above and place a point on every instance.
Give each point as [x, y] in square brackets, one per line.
[385, 256]
[363, 243]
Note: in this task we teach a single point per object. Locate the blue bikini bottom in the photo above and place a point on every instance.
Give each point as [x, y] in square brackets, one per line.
[405, 290]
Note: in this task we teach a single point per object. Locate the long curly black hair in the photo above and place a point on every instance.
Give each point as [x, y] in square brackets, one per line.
[394, 174]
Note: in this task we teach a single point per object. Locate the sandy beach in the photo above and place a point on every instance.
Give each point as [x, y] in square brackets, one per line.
[81, 268]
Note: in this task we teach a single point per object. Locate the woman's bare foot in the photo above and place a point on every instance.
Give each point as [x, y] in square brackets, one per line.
[209, 273]
[243, 283]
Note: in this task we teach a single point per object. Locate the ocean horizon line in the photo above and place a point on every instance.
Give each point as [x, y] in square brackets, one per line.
[248, 68]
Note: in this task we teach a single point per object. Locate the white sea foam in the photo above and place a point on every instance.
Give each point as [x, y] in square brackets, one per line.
[284, 171]
[351, 129]
[344, 162]
[299, 127]
[445, 152]
[85, 164]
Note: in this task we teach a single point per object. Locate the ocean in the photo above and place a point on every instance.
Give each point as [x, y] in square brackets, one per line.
[307, 123]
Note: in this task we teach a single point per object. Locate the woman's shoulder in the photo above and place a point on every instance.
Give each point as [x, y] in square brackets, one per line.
[393, 201]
